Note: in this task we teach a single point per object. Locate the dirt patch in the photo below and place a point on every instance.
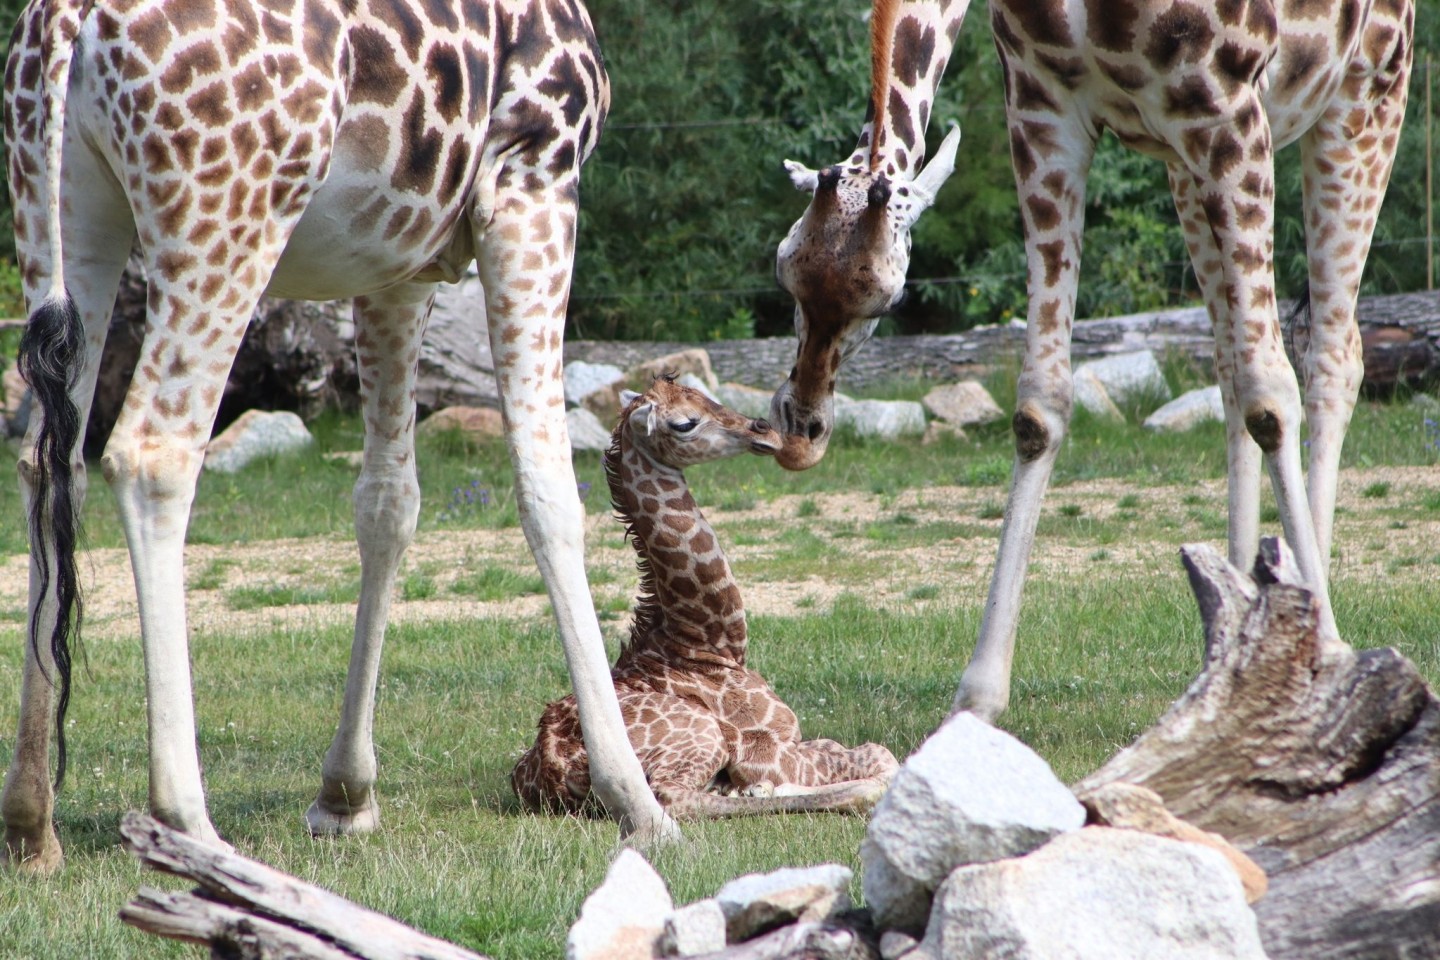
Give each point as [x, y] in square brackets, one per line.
[890, 549]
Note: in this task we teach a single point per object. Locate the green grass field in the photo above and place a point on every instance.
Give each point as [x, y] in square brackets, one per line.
[1106, 642]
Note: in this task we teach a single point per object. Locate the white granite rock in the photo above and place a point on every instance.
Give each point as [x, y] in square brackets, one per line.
[694, 929]
[583, 379]
[694, 361]
[624, 917]
[254, 435]
[964, 404]
[1095, 894]
[695, 383]
[759, 902]
[1128, 375]
[475, 423]
[586, 431]
[1091, 395]
[881, 419]
[1188, 410]
[970, 794]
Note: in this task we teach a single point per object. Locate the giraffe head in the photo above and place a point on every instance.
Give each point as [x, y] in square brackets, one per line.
[844, 262]
[678, 426]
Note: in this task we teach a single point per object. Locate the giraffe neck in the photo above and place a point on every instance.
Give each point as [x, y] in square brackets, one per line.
[689, 604]
[910, 43]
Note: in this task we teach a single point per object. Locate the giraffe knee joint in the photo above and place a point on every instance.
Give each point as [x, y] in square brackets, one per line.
[1032, 436]
[1265, 428]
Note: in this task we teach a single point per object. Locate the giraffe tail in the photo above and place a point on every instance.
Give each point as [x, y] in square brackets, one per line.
[52, 351]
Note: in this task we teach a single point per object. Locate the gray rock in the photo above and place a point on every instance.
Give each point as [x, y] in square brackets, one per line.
[586, 431]
[694, 929]
[881, 419]
[1091, 395]
[583, 379]
[695, 383]
[1126, 376]
[970, 794]
[694, 361]
[254, 435]
[1188, 410]
[938, 430]
[624, 917]
[759, 902]
[894, 944]
[475, 423]
[749, 401]
[964, 404]
[1095, 894]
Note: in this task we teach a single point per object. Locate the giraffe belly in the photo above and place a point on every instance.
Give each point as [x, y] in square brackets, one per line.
[355, 238]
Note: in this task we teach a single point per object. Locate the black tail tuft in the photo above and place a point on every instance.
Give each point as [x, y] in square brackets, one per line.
[52, 351]
[1298, 319]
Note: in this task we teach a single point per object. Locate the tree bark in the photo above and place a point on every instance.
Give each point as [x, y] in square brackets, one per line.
[1319, 762]
[246, 910]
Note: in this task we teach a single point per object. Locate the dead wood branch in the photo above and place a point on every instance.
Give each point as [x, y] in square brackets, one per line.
[245, 909]
[1320, 762]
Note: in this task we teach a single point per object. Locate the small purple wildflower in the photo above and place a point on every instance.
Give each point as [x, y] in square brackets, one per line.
[584, 489]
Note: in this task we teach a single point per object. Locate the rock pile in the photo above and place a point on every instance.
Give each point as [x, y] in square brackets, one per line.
[976, 851]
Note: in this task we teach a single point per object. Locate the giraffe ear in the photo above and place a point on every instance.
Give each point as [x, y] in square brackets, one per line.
[627, 397]
[643, 418]
[938, 170]
[802, 176]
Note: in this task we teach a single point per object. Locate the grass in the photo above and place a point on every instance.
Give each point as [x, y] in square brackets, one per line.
[1103, 650]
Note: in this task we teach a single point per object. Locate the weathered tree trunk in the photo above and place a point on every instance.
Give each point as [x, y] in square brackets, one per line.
[1321, 763]
[247, 911]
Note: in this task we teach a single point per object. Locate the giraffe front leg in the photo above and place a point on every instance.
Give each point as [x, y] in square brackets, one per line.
[1242, 454]
[1051, 184]
[526, 252]
[389, 326]
[1345, 175]
[1233, 169]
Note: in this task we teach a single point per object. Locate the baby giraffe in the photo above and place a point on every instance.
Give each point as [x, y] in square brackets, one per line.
[713, 738]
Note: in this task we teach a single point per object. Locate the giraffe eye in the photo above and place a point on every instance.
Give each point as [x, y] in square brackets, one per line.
[684, 426]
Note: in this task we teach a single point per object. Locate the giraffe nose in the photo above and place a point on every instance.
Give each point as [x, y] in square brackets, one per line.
[760, 426]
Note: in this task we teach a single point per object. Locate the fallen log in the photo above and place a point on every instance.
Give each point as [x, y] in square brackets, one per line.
[1319, 762]
[245, 910]
[1400, 332]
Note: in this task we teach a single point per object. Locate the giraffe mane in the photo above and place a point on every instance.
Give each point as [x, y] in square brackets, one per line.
[883, 15]
[647, 605]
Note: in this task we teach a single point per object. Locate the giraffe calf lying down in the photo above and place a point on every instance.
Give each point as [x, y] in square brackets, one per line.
[713, 738]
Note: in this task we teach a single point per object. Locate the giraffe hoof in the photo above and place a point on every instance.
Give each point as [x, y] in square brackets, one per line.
[762, 788]
[343, 819]
[37, 853]
[660, 834]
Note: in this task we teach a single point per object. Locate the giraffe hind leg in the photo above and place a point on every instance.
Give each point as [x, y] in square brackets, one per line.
[387, 508]
[96, 248]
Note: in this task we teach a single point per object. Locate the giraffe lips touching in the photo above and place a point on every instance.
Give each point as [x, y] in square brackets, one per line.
[766, 441]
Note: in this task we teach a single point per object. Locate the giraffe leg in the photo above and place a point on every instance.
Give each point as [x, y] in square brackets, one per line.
[1236, 192]
[525, 257]
[1345, 175]
[95, 252]
[389, 327]
[152, 463]
[1051, 184]
[1242, 452]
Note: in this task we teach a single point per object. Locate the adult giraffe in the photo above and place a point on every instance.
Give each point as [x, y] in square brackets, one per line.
[324, 149]
[1211, 87]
